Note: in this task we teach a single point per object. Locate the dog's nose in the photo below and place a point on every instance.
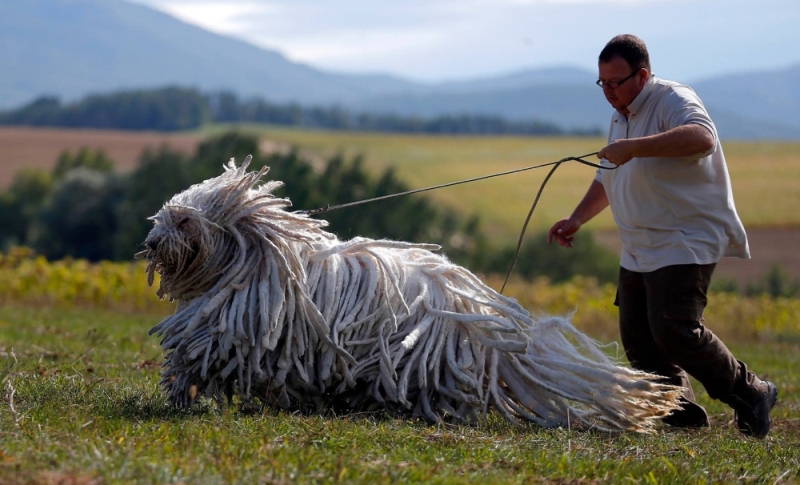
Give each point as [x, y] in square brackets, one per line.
[151, 244]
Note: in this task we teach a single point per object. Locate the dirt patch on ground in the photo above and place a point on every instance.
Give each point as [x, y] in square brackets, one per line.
[40, 147]
[768, 246]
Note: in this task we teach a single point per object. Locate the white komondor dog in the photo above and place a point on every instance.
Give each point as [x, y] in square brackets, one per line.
[272, 306]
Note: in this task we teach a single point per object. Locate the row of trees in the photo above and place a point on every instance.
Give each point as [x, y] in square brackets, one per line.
[167, 109]
[175, 108]
[226, 107]
[83, 208]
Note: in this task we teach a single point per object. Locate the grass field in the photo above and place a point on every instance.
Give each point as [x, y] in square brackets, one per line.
[80, 404]
[86, 406]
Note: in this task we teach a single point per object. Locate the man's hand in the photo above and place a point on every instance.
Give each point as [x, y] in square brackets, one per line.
[618, 152]
[563, 232]
[690, 140]
[593, 202]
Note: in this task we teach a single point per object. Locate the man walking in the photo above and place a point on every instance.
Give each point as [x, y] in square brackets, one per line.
[671, 199]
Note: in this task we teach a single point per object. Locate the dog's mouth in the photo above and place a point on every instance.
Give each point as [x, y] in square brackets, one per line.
[159, 261]
[174, 259]
[154, 253]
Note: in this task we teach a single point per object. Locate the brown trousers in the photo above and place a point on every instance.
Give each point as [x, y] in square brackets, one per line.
[660, 320]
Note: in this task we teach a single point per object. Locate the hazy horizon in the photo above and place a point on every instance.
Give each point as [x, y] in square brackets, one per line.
[439, 40]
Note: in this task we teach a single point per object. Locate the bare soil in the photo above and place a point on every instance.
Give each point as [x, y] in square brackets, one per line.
[40, 147]
[768, 246]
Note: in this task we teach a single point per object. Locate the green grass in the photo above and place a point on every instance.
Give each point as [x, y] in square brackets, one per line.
[763, 174]
[87, 407]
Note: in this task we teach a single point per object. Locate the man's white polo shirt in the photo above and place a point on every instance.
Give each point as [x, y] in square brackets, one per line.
[671, 210]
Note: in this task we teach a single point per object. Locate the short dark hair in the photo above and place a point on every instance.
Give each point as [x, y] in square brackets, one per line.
[630, 48]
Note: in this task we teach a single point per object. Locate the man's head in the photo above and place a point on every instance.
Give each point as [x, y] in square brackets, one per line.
[624, 67]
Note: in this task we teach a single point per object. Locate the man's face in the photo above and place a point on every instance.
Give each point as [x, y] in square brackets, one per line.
[614, 71]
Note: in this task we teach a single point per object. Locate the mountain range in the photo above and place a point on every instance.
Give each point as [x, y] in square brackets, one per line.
[71, 48]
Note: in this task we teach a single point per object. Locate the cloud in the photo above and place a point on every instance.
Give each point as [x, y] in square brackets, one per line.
[341, 36]
[369, 46]
[437, 39]
[219, 17]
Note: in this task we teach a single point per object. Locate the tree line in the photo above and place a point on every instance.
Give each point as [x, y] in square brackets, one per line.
[176, 108]
[84, 208]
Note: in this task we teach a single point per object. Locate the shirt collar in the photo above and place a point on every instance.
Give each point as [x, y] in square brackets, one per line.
[640, 99]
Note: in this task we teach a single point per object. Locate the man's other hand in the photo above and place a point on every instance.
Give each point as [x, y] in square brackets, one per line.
[563, 232]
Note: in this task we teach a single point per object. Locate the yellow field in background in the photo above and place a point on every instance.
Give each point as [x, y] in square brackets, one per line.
[765, 175]
[28, 280]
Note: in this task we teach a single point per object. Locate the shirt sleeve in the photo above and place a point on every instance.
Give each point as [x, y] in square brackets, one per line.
[598, 176]
[682, 107]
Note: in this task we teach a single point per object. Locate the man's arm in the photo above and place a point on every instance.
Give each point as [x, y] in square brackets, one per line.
[592, 204]
[682, 141]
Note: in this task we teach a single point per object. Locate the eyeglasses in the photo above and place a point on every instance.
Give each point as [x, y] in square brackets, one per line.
[615, 84]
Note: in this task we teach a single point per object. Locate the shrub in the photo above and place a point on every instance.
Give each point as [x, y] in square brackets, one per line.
[539, 259]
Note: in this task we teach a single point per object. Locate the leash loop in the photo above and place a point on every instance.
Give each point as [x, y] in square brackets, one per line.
[555, 165]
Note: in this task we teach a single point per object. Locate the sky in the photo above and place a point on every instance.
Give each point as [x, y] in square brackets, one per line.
[438, 40]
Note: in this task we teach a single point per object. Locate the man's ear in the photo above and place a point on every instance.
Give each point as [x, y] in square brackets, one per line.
[645, 75]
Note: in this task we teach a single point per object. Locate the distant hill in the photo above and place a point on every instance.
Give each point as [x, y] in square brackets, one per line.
[72, 48]
[758, 105]
[771, 97]
[565, 105]
[548, 76]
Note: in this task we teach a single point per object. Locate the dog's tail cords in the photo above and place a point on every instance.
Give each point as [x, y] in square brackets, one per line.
[556, 164]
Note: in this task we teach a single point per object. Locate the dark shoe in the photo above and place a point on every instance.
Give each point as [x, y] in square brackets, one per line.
[692, 415]
[752, 418]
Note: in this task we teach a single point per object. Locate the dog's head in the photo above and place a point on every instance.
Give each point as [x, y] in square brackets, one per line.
[193, 236]
[177, 247]
[201, 232]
